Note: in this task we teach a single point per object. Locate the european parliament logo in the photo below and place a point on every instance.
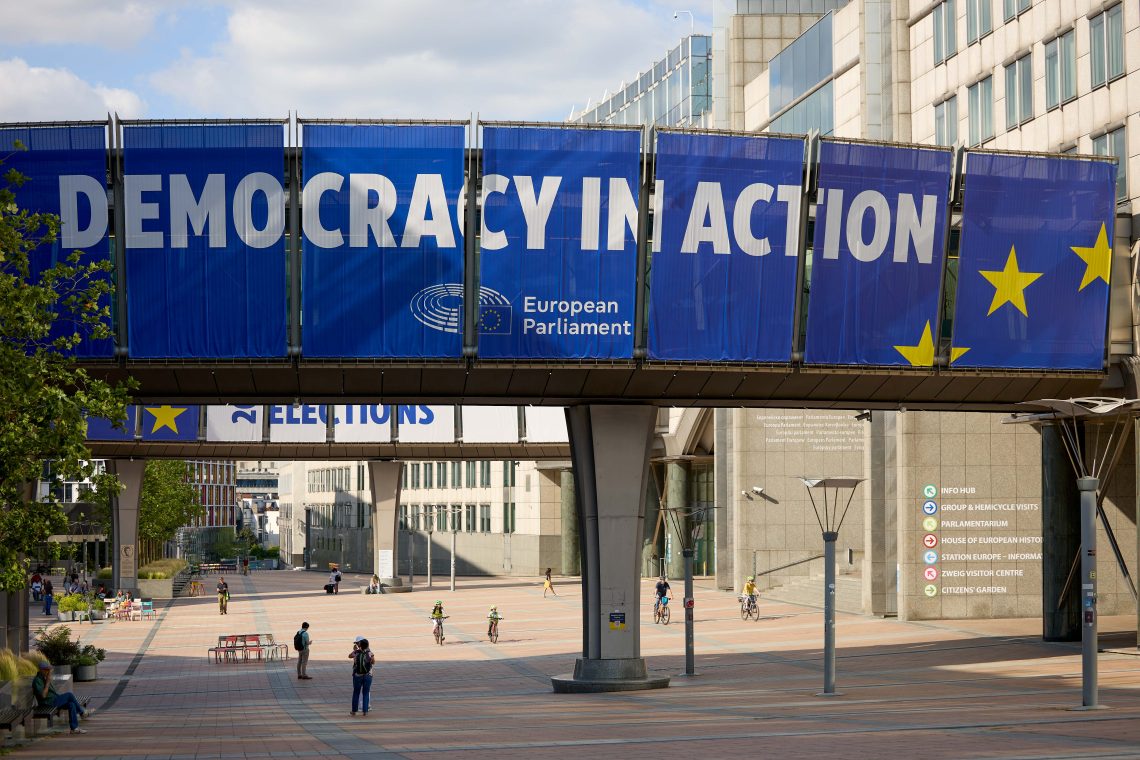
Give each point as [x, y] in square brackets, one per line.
[440, 307]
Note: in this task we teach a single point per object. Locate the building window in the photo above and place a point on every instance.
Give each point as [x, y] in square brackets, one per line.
[509, 466]
[1112, 144]
[429, 472]
[485, 518]
[484, 473]
[1012, 8]
[415, 517]
[441, 473]
[1106, 41]
[456, 474]
[945, 31]
[509, 517]
[416, 475]
[946, 122]
[1019, 92]
[981, 105]
[456, 516]
[403, 517]
[441, 517]
[470, 474]
[1060, 70]
[979, 20]
[470, 510]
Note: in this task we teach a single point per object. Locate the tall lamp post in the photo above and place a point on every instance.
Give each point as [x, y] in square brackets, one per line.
[1093, 461]
[688, 540]
[830, 521]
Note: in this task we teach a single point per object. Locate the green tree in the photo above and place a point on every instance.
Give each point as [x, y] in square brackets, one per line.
[167, 501]
[44, 396]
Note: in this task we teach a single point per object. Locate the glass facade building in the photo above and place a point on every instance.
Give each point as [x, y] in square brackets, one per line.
[673, 92]
[795, 74]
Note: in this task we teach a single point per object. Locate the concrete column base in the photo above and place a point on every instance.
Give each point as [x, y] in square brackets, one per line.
[595, 676]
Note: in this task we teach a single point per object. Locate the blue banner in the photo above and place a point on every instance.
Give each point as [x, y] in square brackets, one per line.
[1034, 262]
[723, 273]
[558, 254]
[65, 169]
[383, 245]
[101, 429]
[169, 423]
[204, 208]
[878, 254]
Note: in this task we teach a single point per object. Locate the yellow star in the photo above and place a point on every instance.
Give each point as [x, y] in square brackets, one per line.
[956, 354]
[921, 355]
[1098, 259]
[1010, 284]
[165, 416]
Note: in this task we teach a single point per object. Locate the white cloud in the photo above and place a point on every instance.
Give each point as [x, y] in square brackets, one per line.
[510, 59]
[29, 93]
[110, 23]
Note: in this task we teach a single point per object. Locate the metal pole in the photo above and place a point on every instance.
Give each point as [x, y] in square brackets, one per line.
[829, 539]
[429, 559]
[1087, 487]
[453, 557]
[690, 665]
[411, 557]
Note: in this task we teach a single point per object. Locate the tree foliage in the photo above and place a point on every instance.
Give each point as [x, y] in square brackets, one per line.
[44, 397]
[167, 500]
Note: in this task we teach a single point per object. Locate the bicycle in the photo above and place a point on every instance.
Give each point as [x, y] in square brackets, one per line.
[493, 631]
[437, 629]
[749, 608]
[195, 588]
[661, 610]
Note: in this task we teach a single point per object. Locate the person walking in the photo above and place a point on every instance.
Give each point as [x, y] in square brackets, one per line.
[223, 596]
[547, 585]
[48, 595]
[46, 696]
[362, 662]
[301, 643]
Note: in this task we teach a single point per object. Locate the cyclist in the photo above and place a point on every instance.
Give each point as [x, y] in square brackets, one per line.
[493, 618]
[437, 617]
[661, 591]
[750, 591]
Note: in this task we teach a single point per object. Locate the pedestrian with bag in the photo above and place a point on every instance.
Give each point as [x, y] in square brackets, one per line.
[301, 643]
[334, 579]
[362, 662]
[223, 596]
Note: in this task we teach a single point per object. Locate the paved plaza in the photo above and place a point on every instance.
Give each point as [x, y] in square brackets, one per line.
[929, 690]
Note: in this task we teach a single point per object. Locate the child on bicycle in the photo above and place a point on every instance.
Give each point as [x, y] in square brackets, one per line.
[493, 617]
[437, 615]
[750, 591]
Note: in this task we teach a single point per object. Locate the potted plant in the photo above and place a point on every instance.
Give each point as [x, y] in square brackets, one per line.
[57, 647]
[83, 666]
[66, 608]
[98, 609]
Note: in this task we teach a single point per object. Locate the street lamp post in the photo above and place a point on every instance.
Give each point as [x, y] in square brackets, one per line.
[411, 555]
[430, 525]
[830, 521]
[452, 520]
[688, 540]
[692, 23]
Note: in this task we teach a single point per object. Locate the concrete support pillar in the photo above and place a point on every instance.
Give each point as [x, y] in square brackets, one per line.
[610, 448]
[880, 525]
[571, 564]
[677, 497]
[384, 481]
[652, 551]
[125, 518]
[1061, 539]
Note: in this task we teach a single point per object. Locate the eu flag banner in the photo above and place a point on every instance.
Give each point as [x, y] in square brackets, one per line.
[558, 246]
[204, 207]
[1034, 262]
[101, 429]
[383, 246]
[65, 172]
[169, 423]
[878, 254]
[725, 247]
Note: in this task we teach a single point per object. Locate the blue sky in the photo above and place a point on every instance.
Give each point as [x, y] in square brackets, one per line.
[501, 59]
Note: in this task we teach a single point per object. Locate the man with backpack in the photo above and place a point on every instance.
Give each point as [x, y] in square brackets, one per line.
[301, 642]
[362, 662]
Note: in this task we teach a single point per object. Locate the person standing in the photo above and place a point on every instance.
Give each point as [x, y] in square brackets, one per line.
[48, 595]
[547, 585]
[334, 579]
[37, 587]
[223, 596]
[302, 638]
[362, 662]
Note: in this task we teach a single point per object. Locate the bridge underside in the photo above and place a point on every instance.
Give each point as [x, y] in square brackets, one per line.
[563, 384]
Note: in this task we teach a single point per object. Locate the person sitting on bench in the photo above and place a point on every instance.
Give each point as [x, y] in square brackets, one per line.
[47, 697]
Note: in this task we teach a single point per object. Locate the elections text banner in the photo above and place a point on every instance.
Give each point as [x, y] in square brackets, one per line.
[558, 245]
[725, 251]
[383, 251]
[1034, 262]
[204, 208]
[65, 170]
[878, 254]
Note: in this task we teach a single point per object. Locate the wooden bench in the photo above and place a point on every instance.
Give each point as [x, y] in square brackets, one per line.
[13, 716]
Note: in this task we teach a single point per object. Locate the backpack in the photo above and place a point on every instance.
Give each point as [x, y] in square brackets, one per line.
[338, 577]
[361, 664]
[298, 642]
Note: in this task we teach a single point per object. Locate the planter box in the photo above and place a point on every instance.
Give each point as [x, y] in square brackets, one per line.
[64, 617]
[162, 589]
[84, 672]
[60, 670]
